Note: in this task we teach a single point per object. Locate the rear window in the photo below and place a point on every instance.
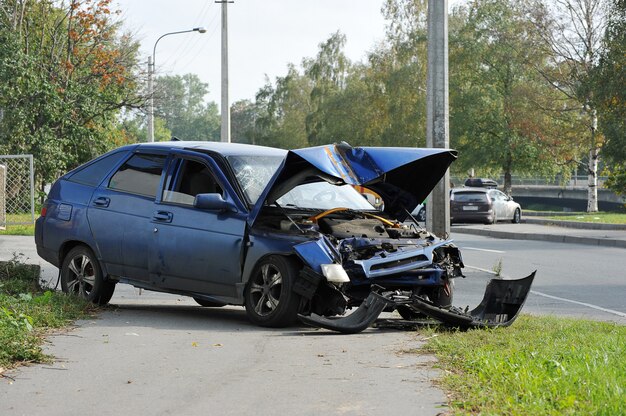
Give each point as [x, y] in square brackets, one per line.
[139, 175]
[470, 197]
[93, 173]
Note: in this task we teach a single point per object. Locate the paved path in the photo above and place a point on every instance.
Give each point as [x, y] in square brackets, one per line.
[525, 231]
[157, 354]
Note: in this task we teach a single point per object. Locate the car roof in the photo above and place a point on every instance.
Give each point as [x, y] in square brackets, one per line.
[226, 149]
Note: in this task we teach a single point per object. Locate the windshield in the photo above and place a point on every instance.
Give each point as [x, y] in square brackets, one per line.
[322, 195]
[254, 173]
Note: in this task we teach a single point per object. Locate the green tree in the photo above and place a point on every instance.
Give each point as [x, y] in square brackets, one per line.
[282, 111]
[572, 32]
[65, 72]
[610, 95]
[496, 117]
[180, 101]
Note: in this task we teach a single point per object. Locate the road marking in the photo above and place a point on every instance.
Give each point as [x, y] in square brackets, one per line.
[589, 305]
[481, 269]
[483, 249]
[534, 292]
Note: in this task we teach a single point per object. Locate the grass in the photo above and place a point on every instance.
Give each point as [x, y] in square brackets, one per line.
[538, 366]
[28, 312]
[598, 217]
[26, 229]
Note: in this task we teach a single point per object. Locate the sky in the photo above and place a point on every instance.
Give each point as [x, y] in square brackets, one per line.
[264, 36]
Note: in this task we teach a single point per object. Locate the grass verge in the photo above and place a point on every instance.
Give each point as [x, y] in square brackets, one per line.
[27, 313]
[598, 217]
[538, 366]
[22, 229]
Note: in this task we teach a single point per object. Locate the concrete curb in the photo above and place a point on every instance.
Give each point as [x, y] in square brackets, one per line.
[574, 224]
[555, 238]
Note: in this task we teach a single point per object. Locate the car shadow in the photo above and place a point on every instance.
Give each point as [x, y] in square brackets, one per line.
[224, 319]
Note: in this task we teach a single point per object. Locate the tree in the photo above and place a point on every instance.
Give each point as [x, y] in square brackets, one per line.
[282, 111]
[327, 73]
[496, 116]
[609, 79]
[572, 32]
[179, 100]
[65, 72]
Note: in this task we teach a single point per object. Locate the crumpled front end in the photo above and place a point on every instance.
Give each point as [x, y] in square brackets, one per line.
[501, 304]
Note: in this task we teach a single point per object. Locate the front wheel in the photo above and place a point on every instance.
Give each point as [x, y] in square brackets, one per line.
[269, 297]
[81, 275]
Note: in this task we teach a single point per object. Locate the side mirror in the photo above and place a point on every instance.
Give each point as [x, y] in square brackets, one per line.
[213, 202]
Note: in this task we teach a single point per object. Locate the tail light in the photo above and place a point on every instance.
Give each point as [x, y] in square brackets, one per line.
[44, 209]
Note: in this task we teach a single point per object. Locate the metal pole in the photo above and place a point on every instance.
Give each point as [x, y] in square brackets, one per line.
[437, 129]
[150, 100]
[151, 70]
[32, 187]
[225, 130]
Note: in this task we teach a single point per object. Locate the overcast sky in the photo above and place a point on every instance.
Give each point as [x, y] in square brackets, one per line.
[264, 36]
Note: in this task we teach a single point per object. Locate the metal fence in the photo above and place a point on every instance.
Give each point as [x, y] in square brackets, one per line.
[17, 190]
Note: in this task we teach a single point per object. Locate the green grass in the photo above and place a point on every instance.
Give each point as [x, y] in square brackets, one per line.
[598, 217]
[28, 229]
[27, 313]
[538, 366]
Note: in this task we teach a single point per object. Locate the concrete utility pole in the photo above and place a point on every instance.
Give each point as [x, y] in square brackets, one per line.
[225, 132]
[437, 129]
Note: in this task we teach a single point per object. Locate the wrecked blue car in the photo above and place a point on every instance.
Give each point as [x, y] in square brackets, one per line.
[283, 233]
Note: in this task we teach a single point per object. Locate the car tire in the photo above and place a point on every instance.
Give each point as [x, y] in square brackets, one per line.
[208, 303]
[269, 298]
[81, 275]
[517, 216]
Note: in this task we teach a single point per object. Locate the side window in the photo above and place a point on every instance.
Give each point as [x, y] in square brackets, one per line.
[139, 175]
[188, 178]
[93, 173]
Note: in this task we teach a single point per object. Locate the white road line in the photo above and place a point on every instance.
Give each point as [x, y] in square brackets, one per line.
[534, 292]
[483, 249]
[589, 305]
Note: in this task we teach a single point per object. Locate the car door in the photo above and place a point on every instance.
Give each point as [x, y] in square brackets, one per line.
[192, 249]
[118, 211]
[502, 205]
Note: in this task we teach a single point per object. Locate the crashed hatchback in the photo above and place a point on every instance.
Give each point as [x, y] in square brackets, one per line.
[283, 233]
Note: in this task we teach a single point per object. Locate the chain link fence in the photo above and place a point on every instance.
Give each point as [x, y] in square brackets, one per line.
[17, 190]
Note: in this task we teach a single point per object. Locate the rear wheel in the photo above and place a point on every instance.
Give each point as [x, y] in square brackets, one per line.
[517, 217]
[269, 297]
[81, 275]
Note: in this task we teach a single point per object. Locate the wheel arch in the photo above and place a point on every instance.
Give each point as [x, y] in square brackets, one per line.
[68, 245]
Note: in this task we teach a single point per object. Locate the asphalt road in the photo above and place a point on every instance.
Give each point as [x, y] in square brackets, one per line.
[153, 354]
[572, 279]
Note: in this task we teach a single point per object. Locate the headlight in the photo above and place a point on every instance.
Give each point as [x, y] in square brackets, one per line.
[335, 273]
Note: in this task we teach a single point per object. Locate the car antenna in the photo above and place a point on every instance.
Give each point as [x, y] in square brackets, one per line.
[174, 139]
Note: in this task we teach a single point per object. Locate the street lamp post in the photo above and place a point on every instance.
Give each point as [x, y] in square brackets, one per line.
[151, 66]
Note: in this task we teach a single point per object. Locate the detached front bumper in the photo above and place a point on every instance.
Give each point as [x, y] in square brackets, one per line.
[501, 304]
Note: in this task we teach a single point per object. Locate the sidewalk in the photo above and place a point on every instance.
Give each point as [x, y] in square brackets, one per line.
[541, 232]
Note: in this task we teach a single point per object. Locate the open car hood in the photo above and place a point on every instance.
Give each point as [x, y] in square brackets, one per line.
[402, 176]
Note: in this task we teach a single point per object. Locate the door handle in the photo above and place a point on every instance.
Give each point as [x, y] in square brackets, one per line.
[162, 216]
[101, 201]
